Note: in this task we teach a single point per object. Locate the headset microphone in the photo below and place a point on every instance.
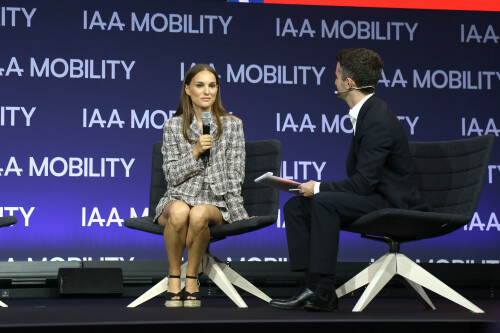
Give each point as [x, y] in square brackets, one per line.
[354, 88]
[341, 92]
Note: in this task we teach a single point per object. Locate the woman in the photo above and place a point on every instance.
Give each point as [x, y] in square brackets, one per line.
[202, 190]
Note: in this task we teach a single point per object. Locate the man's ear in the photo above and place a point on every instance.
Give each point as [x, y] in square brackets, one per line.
[350, 83]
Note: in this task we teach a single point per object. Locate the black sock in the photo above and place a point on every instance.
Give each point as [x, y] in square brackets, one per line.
[327, 281]
[312, 280]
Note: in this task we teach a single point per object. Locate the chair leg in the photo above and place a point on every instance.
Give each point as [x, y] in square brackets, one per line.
[241, 282]
[215, 273]
[412, 271]
[3, 305]
[158, 288]
[384, 274]
[361, 279]
[420, 293]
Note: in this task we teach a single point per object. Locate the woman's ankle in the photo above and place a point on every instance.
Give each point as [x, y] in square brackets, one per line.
[174, 283]
[192, 283]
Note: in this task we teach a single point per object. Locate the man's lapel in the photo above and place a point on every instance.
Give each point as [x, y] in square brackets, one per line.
[364, 111]
[353, 151]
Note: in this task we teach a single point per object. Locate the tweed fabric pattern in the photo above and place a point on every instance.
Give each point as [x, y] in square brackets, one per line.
[216, 180]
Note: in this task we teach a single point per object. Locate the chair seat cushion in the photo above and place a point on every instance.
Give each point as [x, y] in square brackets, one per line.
[144, 224]
[5, 221]
[236, 228]
[406, 225]
[242, 226]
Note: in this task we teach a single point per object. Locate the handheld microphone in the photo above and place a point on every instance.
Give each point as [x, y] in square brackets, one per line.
[354, 88]
[206, 117]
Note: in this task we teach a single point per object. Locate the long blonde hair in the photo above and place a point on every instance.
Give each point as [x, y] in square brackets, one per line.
[185, 108]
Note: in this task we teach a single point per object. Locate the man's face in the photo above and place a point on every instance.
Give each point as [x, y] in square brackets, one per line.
[340, 84]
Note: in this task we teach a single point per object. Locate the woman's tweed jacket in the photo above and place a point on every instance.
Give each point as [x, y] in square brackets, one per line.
[226, 167]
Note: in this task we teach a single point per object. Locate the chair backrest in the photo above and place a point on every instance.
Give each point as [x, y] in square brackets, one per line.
[261, 156]
[450, 174]
[158, 185]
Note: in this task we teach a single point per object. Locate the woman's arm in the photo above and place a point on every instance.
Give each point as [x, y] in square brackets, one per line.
[235, 166]
[178, 166]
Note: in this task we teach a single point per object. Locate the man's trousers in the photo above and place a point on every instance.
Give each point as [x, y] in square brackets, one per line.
[313, 226]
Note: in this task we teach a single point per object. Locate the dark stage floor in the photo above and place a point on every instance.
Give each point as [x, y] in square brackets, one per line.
[221, 315]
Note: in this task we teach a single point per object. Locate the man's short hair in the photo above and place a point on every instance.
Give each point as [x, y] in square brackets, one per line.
[361, 65]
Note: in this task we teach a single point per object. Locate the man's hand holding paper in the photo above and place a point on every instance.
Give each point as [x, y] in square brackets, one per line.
[307, 189]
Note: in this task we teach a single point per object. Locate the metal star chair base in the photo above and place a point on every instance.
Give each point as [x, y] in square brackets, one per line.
[379, 273]
[220, 273]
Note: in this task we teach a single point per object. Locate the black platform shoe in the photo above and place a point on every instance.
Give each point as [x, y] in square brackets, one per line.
[171, 301]
[192, 300]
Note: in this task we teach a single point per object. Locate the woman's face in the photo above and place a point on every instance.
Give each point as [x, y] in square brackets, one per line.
[203, 90]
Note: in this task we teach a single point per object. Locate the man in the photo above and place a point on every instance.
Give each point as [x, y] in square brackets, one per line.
[379, 175]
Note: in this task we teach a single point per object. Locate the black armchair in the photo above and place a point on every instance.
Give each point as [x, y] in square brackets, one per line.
[6, 221]
[450, 177]
[259, 201]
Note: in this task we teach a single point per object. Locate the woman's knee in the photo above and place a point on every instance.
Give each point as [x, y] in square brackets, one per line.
[177, 214]
[199, 217]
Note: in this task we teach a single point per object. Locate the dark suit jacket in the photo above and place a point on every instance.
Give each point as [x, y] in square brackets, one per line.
[379, 160]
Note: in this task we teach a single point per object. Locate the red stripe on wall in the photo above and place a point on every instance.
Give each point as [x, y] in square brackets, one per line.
[479, 5]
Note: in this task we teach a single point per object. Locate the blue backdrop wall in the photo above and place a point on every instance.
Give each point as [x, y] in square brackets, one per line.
[87, 85]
